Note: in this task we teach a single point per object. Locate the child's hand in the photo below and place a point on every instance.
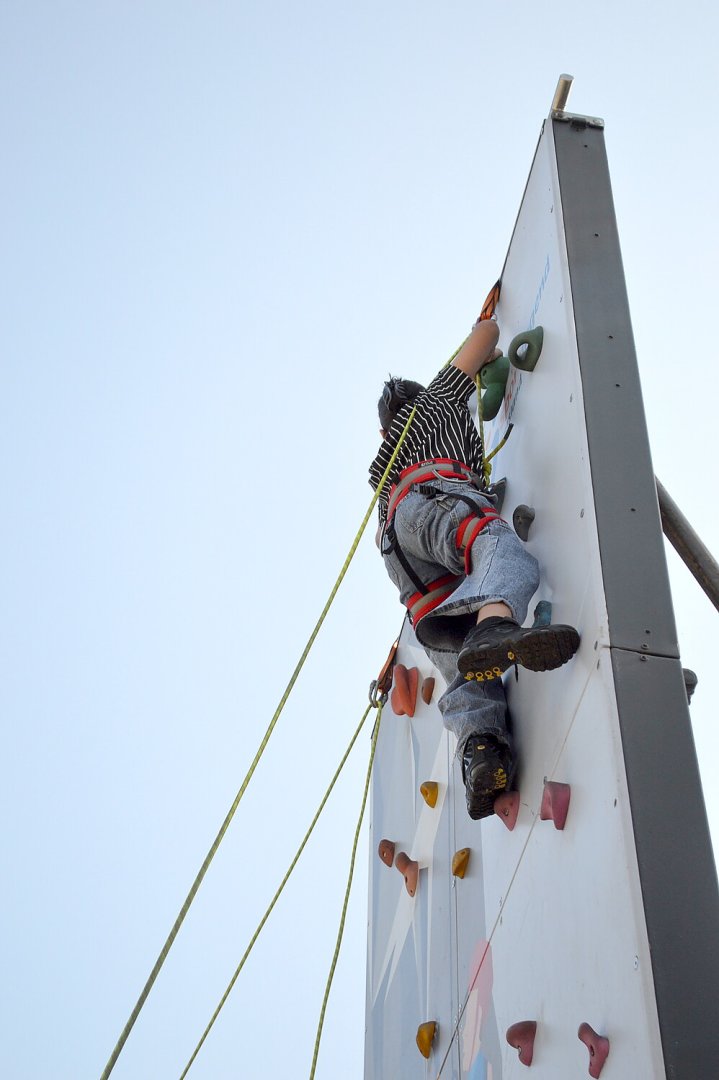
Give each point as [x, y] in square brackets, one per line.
[495, 356]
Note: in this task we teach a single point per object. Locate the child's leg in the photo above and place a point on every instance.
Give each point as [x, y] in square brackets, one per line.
[468, 708]
[477, 714]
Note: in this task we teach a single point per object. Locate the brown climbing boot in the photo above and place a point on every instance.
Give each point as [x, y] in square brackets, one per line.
[495, 644]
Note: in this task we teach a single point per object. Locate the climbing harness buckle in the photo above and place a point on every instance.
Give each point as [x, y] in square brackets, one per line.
[431, 469]
[379, 688]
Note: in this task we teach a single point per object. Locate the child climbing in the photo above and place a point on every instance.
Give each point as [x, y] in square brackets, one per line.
[461, 571]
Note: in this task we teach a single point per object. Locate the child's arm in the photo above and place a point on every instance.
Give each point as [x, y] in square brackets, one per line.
[478, 349]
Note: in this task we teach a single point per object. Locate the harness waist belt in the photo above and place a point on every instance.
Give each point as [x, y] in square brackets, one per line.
[430, 469]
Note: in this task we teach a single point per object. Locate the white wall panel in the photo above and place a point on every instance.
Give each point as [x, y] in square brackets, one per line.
[547, 925]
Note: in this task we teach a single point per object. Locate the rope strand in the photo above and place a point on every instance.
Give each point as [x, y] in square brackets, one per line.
[231, 813]
[340, 932]
[486, 467]
[276, 897]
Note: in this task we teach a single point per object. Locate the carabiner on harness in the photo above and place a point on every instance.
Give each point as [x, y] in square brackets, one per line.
[379, 688]
[375, 700]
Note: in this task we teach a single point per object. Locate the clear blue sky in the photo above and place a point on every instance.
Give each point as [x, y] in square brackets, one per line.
[223, 224]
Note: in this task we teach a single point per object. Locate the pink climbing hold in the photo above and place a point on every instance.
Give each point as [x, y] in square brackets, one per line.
[409, 870]
[598, 1047]
[506, 807]
[404, 692]
[555, 803]
[386, 851]
[521, 1036]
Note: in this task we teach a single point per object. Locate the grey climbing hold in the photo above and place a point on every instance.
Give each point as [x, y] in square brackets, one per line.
[690, 682]
[522, 519]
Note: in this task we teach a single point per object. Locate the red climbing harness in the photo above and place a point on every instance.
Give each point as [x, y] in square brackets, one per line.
[430, 596]
[431, 469]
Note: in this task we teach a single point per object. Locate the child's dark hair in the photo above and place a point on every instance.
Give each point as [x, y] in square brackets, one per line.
[396, 393]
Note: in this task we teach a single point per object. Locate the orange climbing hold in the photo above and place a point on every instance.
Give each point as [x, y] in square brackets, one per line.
[429, 791]
[386, 851]
[404, 691]
[506, 807]
[425, 1037]
[521, 1036]
[409, 870]
[555, 803]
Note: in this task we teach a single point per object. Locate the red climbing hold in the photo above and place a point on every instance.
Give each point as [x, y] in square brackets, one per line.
[555, 803]
[506, 807]
[521, 1036]
[404, 692]
[409, 870]
[427, 689]
[386, 851]
[598, 1048]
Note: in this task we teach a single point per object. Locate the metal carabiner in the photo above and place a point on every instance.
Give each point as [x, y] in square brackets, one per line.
[375, 701]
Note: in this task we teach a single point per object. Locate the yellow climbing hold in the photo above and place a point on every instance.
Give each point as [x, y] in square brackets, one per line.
[460, 860]
[429, 791]
[425, 1037]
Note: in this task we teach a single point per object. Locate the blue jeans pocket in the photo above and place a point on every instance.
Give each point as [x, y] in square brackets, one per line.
[413, 511]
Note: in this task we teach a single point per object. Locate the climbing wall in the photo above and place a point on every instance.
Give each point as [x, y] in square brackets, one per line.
[590, 904]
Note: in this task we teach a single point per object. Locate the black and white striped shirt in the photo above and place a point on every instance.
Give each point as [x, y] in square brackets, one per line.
[442, 427]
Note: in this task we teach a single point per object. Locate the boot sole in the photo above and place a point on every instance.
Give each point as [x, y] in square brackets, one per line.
[493, 780]
[543, 649]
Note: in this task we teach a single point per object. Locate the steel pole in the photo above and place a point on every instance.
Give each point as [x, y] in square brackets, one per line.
[688, 546]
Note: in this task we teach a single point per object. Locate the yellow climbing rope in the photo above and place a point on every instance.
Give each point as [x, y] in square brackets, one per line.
[340, 932]
[231, 812]
[487, 458]
[277, 895]
[498, 447]
[486, 467]
[243, 787]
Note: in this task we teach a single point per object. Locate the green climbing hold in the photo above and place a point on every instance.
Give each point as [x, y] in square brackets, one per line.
[533, 339]
[493, 379]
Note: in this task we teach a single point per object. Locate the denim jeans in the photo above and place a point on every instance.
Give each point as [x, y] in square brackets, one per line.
[501, 571]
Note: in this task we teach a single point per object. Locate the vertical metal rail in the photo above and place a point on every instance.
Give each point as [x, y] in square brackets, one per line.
[677, 873]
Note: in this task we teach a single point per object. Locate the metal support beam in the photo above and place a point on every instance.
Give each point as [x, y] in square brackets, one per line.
[688, 546]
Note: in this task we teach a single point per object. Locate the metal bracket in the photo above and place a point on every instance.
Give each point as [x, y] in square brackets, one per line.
[577, 118]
